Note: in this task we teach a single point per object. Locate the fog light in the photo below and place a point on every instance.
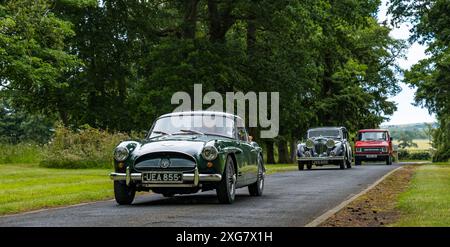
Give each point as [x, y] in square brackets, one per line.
[332, 154]
[307, 154]
[209, 164]
[120, 165]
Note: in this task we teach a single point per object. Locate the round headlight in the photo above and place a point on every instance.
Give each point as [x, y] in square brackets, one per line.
[309, 143]
[330, 143]
[121, 154]
[209, 153]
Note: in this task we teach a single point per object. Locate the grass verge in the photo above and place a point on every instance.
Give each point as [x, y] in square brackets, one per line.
[275, 168]
[28, 187]
[427, 200]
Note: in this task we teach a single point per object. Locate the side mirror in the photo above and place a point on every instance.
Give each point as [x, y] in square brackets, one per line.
[250, 138]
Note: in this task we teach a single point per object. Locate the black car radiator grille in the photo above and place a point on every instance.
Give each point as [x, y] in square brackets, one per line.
[178, 162]
[320, 148]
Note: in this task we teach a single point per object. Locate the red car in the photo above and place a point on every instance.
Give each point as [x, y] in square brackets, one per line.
[373, 145]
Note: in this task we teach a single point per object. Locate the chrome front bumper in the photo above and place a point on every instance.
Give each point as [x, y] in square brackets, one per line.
[320, 158]
[195, 178]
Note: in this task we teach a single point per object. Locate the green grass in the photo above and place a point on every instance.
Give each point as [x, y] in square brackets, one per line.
[427, 201]
[28, 187]
[270, 169]
[20, 153]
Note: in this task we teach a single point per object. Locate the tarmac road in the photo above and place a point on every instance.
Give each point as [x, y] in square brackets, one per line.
[289, 199]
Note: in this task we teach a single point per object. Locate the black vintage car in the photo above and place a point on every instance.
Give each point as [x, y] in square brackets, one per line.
[326, 145]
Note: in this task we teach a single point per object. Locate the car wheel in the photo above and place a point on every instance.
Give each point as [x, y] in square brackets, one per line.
[226, 190]
[301, 166]
[256, 189]
[123, 194]
[348, 162]
[342, 164]
[389, 161]
[309, 166]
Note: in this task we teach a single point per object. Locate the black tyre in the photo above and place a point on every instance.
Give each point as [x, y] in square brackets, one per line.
[309, 166]
[257, 188]
[301, 166]
[342, 164]
[389, 160]
[226, 191]
[348, 162]
[123, 194]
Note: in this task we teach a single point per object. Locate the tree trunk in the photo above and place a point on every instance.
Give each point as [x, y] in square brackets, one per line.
[293, 149]
[270, 154]
[283, 155]
[219, 21]
[190, 19]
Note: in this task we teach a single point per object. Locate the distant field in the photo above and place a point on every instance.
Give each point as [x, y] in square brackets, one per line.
[422, 144]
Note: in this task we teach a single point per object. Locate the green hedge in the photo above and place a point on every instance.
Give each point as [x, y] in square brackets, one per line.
[404, 154]
[85, 148]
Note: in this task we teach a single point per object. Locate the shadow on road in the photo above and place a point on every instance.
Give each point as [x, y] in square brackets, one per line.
[190, 200]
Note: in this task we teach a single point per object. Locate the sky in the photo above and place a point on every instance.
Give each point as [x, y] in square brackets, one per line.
[406, 112]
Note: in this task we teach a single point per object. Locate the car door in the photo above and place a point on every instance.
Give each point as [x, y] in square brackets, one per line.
[249, 169]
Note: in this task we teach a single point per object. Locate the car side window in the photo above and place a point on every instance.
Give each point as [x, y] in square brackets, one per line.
[241, 131]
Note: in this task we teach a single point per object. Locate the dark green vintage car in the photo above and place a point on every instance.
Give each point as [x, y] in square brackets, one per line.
[186, 152]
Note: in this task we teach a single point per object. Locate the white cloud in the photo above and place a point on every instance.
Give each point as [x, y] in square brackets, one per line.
[406, 112]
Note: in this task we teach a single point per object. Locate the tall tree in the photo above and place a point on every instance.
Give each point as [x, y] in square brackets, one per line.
[430, 76]
[35, 72]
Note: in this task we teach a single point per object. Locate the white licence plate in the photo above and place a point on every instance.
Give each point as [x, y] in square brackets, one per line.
[162, 177]
[320, 162]
[371, 156]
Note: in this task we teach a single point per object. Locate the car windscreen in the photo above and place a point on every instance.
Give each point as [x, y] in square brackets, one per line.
[325, 133]
[372, 136]
[193, 124]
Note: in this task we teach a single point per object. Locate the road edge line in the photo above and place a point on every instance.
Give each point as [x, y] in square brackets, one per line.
[322, 218]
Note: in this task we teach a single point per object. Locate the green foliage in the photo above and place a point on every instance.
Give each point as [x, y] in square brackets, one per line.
[404, 154]
[115, 64]
[35, 68]
[20, 153]
[406, 140]
[18, 126]
[431, 76]
[84, 148]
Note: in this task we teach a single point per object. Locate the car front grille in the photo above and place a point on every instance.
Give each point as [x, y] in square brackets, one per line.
[320, 148]
[372, 149]
[178, 162]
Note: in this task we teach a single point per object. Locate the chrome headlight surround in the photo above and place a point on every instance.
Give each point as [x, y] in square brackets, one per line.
[309, 143]
[384, 149]
[210, 153]
[330, 143]
[121, 153]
